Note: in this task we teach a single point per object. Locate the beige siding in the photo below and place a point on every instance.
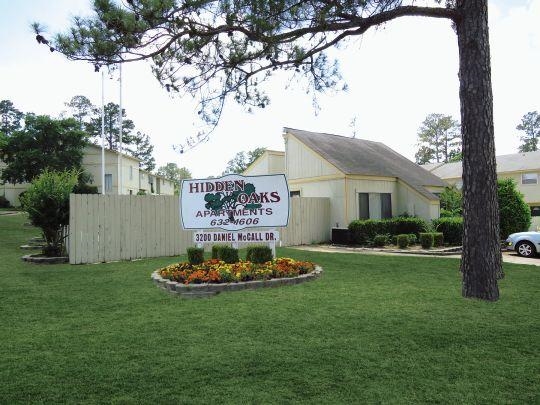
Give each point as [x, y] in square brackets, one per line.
[259, 167]
[92, 164]
[374, 187]
[301, 162]
[270, 162]
[106, 228]
[531, 192]
[413, 203]
[332, 189]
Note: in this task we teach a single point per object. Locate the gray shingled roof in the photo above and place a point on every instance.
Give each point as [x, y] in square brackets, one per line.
[362, 157]
[515, 162]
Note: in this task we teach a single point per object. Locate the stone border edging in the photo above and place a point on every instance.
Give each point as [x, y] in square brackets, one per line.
[38, 259]
[209, 290]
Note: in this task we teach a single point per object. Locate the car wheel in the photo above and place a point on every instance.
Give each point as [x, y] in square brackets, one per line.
[525, 249]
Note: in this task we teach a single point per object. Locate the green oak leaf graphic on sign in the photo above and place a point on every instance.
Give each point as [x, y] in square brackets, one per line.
[221, 201]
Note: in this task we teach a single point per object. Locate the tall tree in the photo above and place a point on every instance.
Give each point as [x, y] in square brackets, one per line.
[141, 148]
[172, 172]
[44, 143]
[530, 124]
[218, 48]
[10, 117]
[242, 160]
[80, 108]
[112, 127]
[439, 139]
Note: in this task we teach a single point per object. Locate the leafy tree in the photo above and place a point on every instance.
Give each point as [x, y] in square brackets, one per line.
[439, 139]
[515, 214]
[47, 204]
[219, 48]
[172, 172]
[80, 108]
[112, 127]
[141, 148]
[44, 143]
[451, 202]
[242, 160]
[530, 124]
[11, 117]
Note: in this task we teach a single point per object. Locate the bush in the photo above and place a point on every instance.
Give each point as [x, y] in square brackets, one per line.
[403, 241]
[259, 254]
[195, 255]
[215, 251]
[47, 204]
[438, 239]
[413, 239]
[451, 228]
[226, 253]
[426, 240]
[514, 213]
[362, 231]
[402, 225]
[141, 192]
[85, 189]
[4, 202]
[380, 240]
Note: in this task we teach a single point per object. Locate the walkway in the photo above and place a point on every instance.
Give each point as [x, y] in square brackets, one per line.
[508, 257]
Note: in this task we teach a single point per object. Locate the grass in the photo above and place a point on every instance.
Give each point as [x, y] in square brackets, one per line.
[373, 329]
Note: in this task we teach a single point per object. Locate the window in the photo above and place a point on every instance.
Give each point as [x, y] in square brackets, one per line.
[295, 193]
[386, 205]
[529, 178]
[131, 172]
[363, 205]
[108, 182]
[535, 211]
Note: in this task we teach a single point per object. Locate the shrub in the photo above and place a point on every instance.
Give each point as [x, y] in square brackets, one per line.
[363, 231]
[380, 240]
[195, 255]
[85, 189]
[259, 254]
[438, 239]
[451, 228]
[426, 240]
[228, 254]
[141, 192]
[216, 251]
[403, 241]
[451, 201]
[514, 213]
[4, 202]
[402, 225]
[413, 239]
[47, 204]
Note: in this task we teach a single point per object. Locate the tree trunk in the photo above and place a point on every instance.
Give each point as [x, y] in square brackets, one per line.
[481, 257]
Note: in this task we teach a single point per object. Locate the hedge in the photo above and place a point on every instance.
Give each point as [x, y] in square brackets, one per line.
[451, 228]
[364, 231]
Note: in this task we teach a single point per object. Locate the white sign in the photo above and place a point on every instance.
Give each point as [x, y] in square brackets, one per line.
[235, 202]
[236, 237]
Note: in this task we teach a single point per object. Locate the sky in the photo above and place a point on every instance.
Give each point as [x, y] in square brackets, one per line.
[396, 75]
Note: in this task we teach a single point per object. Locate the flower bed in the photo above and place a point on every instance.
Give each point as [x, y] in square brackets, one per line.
[214, 276]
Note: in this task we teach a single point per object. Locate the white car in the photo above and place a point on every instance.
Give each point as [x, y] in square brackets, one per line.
[526, 244]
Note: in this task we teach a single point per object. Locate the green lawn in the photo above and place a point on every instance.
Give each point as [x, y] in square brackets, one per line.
[373, 329]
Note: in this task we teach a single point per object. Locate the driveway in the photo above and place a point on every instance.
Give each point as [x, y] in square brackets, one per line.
[508, 257]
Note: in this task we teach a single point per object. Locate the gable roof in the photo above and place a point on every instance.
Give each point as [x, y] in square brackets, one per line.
[362, 157]
[515, 162]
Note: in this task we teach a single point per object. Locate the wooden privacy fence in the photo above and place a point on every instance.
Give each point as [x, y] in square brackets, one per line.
[106, 228]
